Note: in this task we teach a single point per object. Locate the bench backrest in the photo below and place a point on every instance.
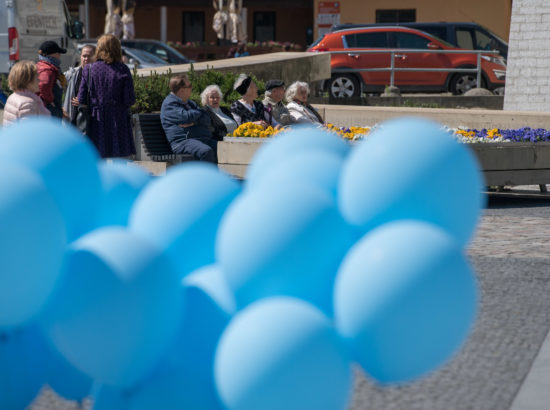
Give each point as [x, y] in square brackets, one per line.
[149, 130]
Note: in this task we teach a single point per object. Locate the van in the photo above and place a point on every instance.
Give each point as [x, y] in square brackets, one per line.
[467, 35]
[25, 24]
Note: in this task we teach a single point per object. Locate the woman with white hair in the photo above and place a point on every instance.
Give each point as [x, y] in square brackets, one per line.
[300, 111]
[223, 122]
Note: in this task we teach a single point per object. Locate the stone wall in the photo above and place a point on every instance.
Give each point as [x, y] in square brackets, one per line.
[528, 71]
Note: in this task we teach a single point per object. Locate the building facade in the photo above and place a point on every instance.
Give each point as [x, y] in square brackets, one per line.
[296, 21]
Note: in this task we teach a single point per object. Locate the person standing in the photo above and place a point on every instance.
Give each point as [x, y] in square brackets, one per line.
[50, 78]
[187, 127]
[74, 77]
[24, 101]
[111, 91]
[273, 102]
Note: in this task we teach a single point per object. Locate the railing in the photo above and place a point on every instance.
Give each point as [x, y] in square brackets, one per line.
[396, 52]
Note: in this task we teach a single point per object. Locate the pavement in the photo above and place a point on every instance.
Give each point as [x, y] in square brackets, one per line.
[505, 363]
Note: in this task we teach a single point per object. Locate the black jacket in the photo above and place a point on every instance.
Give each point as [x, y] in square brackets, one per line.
[219, 129]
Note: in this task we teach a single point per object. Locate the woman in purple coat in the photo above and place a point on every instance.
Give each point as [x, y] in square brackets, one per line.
[111, 91]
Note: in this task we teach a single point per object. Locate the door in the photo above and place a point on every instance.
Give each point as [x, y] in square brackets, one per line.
[377, 40]
[404, 59]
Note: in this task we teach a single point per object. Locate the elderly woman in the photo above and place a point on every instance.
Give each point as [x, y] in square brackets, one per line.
[300, 111]
[223, 122]
[247, 109]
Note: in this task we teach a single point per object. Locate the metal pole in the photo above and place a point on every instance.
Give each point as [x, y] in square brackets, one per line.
[392, 68]
[87, 18]
[163, 23]
[478, 82]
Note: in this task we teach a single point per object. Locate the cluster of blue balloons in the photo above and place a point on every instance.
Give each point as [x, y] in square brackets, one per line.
[194, 290]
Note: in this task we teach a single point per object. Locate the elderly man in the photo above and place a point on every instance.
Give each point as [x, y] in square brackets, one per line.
[187, 127]
[273, 102]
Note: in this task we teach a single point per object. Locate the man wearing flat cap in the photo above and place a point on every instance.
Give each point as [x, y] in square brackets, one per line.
[51, 80]
[273, 102]
[247, 109]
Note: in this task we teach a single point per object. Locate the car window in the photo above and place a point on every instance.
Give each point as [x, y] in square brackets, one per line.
[408, 40]
[366, 40]
[484, 42]
[464, 39]
[437, 31]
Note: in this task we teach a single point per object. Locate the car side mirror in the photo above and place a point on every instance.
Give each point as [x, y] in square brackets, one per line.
[433, 46]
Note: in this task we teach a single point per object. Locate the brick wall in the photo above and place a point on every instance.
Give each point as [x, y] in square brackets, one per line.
[528, 68]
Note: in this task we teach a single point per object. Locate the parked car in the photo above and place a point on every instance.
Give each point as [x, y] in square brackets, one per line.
[349, 84]
[131, 56]
[141, 59]
[470, 36]
[159, 49]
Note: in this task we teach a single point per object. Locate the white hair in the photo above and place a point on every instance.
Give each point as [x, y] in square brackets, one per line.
[293, 89]
[207, 91]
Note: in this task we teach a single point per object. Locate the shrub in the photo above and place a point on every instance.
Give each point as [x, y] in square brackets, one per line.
[150, 91]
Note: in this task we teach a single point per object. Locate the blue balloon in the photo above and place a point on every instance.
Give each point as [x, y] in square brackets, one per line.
[32, 244]
[122, 182]
[185, 376]
[404, 299]
[110, 398]
[117, 308]
[297, 140]
[21, 372]
[65, 379]
[320, 168]
[282, 353]
[283, 240]
[410, 168]
[180, 213]
[66, 161]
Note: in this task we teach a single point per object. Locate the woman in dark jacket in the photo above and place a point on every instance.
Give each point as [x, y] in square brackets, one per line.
[247, 109]
[111, 90]
[223, 122]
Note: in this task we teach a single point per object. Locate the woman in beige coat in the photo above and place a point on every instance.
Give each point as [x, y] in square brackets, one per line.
[24, 102]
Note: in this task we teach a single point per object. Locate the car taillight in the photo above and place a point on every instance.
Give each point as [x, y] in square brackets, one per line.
[13, 41]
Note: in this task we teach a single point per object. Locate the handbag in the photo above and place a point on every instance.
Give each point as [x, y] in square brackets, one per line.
[83, 120]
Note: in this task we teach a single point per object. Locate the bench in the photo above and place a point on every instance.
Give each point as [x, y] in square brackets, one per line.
[148, 130]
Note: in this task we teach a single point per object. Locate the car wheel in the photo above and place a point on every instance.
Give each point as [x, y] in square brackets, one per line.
[461, 83]
[343, 86]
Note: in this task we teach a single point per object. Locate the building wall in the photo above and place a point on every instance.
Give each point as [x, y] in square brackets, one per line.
[494, 14]
[528, 69]
[293, 18]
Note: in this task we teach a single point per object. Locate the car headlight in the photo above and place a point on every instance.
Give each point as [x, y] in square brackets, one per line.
[500, 74]
[493, 59]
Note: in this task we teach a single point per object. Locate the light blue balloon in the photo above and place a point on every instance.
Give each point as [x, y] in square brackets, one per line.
[22, 375]
[282, 353]
[122, 182]
[117, 308]
[405, 299]
[301, 138]
[185, 376]
[320, 168]
[65, 379]
[32, 244]
[181, 211]
[283, 240]
[66, 161]
[412, 169]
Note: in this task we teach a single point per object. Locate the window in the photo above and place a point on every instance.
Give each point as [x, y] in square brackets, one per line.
[396, 16]
[264, 26]
[464, 39]
[366, 40]
[408, 40]
[484, 42]
[436, 31]
[193, 26]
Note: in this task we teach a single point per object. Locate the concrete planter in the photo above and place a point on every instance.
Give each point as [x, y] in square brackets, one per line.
[514, 163]
[510, 163]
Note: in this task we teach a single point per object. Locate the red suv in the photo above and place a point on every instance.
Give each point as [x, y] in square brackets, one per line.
[350, 84]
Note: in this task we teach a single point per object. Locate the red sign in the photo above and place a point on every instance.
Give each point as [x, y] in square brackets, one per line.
[329, 7]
